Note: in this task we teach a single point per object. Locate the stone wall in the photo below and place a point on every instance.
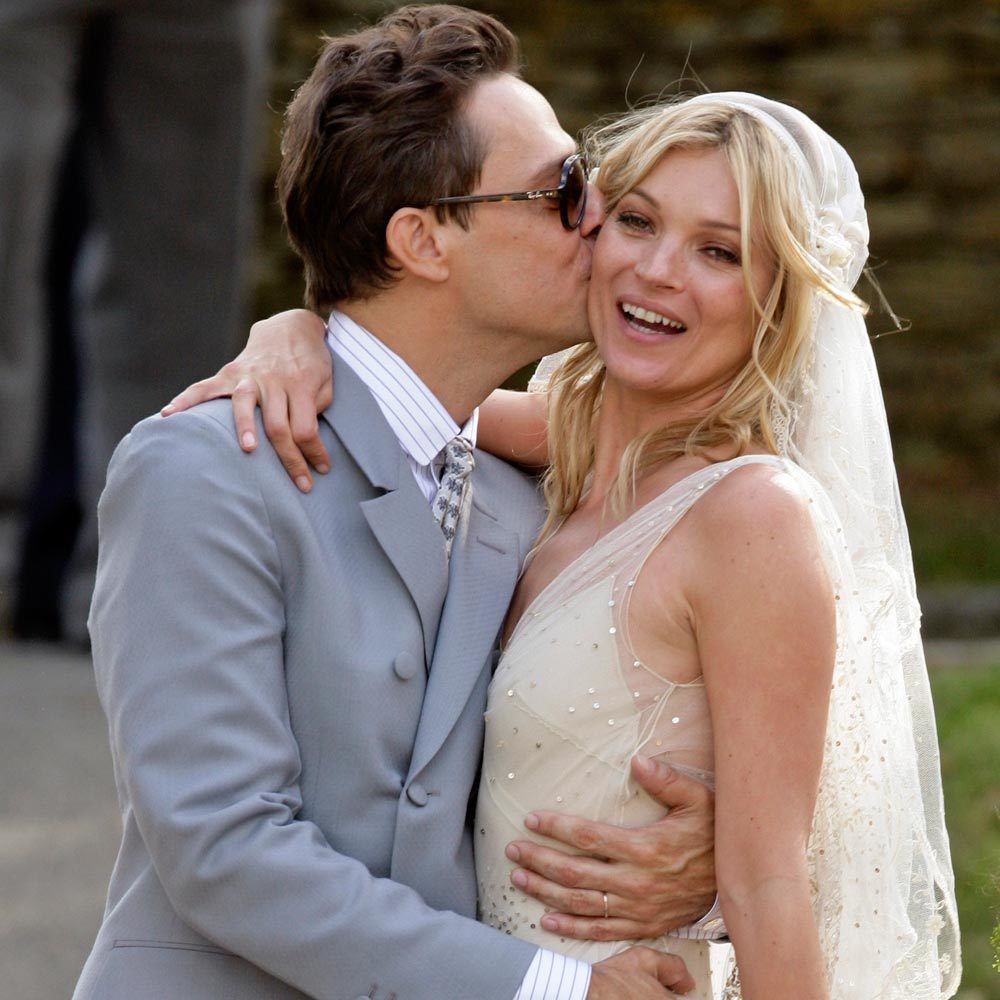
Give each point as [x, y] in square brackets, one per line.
[910, 89]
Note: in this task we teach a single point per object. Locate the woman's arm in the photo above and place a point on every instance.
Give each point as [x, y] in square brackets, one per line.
[286, 369]
[763, 616]
[514, 426]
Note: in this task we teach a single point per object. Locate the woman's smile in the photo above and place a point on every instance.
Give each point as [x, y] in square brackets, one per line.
[645, 320]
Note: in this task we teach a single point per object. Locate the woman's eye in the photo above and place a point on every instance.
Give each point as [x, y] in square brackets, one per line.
[632, 220]
[723, 254]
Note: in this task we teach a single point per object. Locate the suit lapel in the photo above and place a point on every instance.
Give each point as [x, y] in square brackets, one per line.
[400, 518]
[417, 555]
[485, 562]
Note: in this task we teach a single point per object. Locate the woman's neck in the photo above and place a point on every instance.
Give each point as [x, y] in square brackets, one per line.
[625, 416]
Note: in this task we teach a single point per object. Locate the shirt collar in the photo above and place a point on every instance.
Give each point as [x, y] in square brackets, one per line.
[418, 419]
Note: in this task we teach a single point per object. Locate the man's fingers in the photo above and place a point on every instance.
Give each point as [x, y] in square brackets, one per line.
[639, 971]
[579, 901]
[573, 871]
[642, 913]
[600, 840]
[668, 785]
[594, 928]
[673, 973]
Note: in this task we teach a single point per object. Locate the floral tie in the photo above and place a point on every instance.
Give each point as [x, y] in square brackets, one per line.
[459, 462]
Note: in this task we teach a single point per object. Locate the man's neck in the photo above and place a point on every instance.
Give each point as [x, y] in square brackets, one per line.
[459, 366]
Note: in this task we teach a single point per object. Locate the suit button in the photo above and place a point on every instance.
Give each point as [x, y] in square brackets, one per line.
[417, 794]
[405, 665]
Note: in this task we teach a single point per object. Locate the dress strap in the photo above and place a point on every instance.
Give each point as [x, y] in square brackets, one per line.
[624, 549]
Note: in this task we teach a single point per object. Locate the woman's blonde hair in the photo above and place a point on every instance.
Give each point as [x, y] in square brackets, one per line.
[774, 197]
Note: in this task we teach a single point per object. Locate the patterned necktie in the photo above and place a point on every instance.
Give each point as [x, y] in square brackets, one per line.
[459, 462]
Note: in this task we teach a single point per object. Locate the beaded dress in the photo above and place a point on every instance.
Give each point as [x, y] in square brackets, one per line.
[571, 703]
[569, 706]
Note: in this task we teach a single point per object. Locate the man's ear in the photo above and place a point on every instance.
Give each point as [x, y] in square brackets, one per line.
[416, 241]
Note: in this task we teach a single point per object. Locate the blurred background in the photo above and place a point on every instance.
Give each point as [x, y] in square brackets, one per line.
[125, 190]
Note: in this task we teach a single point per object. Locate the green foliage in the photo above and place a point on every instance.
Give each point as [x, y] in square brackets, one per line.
[967, 701]
[954, 537]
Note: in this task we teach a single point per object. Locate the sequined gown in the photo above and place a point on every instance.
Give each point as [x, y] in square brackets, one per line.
[571, 703]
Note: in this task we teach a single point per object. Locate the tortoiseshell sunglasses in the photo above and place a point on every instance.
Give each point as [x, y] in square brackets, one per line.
[571, 193]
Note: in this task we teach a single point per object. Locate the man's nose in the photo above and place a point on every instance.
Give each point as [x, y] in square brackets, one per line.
[593, 216]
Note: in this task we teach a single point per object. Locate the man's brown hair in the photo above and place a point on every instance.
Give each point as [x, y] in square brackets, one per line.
[378, 126]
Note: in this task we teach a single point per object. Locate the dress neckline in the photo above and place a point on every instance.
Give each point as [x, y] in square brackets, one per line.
[644, 510]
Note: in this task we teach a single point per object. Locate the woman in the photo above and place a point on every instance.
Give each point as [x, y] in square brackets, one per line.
[724, 578]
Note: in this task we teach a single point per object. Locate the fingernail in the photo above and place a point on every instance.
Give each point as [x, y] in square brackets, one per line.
[303, 484]
[513, 852]
[643, 762]
[249, 439]
[531, 821]
[519, 878]
[323, 469]
[167, 410]
[550, 923]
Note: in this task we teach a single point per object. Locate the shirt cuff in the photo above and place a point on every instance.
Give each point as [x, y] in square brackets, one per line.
[554, 977]
[712, 922]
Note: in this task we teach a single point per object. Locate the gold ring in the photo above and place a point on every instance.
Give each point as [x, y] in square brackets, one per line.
[604, 896]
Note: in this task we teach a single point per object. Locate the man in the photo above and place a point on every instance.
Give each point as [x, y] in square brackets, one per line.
[294, 683]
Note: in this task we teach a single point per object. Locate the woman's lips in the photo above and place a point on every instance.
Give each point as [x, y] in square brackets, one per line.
[650, 321]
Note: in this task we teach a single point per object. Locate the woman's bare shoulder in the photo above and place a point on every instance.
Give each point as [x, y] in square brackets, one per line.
[755, 521]
[754, 498]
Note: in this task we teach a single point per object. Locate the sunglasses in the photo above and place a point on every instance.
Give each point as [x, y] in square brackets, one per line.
[571, 193]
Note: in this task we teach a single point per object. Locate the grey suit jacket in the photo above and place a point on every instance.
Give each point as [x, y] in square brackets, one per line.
[294, 690]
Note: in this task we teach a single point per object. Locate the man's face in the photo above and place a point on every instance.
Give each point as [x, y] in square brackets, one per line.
[519, 272]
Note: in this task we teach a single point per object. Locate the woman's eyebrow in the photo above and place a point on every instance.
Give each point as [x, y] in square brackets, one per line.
[702, 223]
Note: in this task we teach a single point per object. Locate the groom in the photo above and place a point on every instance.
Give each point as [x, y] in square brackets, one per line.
[294, 683]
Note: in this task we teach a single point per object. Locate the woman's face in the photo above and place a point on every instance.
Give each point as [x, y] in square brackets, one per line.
[667, 303]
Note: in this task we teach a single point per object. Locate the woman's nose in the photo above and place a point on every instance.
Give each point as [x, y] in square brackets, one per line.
[662, 265]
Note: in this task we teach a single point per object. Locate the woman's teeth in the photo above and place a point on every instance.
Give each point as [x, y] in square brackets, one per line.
[646, 319]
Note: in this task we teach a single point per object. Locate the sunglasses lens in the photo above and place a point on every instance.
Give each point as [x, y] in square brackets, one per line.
[576, 192]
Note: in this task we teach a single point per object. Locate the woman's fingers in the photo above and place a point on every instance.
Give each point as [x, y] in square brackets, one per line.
[277, 427]
[305, 428]
[208, 388]
[245, 395]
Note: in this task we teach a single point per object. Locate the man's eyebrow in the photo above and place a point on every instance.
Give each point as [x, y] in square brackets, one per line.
[544, 176]
[703, 223]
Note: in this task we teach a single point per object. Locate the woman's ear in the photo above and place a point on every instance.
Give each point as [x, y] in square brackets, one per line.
[415, 240]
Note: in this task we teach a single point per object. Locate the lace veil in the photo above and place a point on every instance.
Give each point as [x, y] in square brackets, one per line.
[879, 856]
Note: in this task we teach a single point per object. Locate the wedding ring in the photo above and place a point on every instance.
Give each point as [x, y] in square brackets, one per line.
[604, 896]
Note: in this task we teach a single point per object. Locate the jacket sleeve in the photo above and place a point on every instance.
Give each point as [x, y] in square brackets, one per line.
[187, 626]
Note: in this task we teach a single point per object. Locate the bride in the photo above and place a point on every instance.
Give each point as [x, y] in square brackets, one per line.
[724, 579]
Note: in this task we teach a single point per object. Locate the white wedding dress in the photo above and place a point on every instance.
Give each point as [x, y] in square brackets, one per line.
[569, 706]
